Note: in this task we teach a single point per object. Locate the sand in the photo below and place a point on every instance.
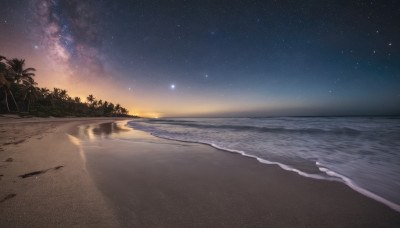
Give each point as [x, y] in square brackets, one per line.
[64, 194]
[151, 182]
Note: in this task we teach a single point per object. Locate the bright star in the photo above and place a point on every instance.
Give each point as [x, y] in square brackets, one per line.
[172, 86]
[206, 76]
[36, 47]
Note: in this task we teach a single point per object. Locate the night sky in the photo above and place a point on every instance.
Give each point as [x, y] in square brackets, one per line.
[214, 58]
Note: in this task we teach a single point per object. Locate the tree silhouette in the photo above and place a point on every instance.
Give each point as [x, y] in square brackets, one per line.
[18, 71]
[4, 83]
[19, 84]
[90, 98]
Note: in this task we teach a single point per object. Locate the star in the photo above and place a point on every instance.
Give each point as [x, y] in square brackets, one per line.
[390, 43]
[36, 47]
[172, 86]
[206, 76]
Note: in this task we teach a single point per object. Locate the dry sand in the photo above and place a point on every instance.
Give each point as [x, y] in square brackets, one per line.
[60, 191]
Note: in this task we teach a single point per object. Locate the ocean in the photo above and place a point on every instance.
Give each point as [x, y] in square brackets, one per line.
[362, 152]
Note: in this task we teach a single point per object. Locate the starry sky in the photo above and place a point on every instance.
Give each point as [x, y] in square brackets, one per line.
[214, 58]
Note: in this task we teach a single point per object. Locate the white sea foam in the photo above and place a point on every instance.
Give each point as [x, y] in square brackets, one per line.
[363, 191]
[283, 166]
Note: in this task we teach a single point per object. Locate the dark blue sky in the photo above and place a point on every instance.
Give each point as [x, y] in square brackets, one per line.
[224, 58]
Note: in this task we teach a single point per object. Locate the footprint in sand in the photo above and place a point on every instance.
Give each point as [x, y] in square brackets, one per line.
[39, 172]
[9, 196]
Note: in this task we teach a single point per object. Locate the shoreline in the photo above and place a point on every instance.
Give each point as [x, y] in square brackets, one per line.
[161, 182]
[339, 178]
[171, 183]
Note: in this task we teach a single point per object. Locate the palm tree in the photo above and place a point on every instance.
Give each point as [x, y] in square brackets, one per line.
[71, 105]
[31, 93]
[105, 105]
[77, 100]
[4, 86]
[6, 79]
[16, 69]
[54, 96]
[44, 93]
[124, 111]
[4, 83]
[12, 96]
[3, 66]
[117, 108]
[90, 98]
[63, 95]
[18, 74]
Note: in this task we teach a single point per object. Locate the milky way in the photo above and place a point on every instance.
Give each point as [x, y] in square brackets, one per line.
[68, 30]
[215, 58]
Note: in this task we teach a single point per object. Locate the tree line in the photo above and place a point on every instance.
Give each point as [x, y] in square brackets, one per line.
[20, 94]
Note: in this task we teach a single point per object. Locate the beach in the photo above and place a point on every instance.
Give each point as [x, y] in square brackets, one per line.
[95, 172]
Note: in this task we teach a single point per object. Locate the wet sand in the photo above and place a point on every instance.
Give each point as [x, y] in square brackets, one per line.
[152, 182]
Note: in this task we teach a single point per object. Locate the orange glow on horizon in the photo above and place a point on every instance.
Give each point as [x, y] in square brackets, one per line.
[142, 99]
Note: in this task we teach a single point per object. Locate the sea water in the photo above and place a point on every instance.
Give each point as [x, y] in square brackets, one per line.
[362, 152]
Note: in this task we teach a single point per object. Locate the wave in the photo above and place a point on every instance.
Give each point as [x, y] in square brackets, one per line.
[338, 131]
[169, 121]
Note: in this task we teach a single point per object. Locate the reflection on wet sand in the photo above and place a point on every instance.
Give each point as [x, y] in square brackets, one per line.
[103, 130]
